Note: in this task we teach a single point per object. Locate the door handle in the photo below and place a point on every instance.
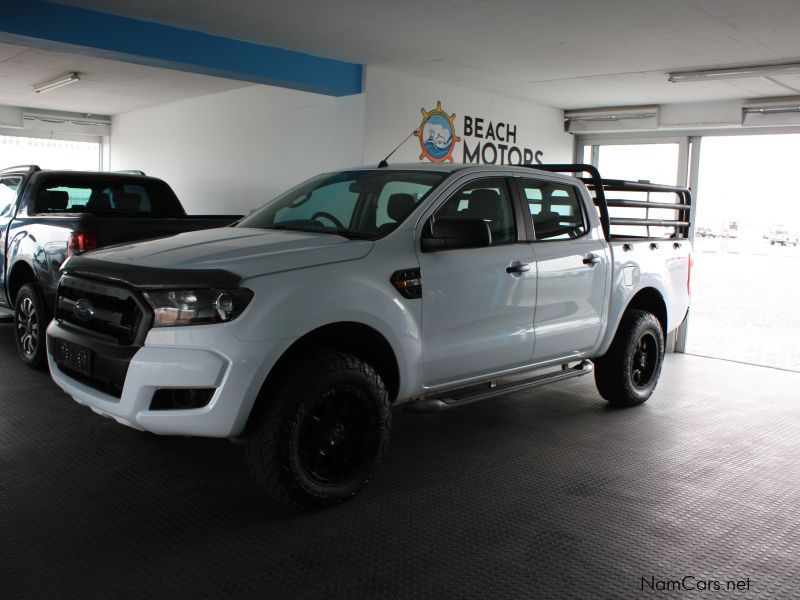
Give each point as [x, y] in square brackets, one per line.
[591, 259]
[517, 268]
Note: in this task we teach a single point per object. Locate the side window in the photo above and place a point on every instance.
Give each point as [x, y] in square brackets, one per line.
[8, 195]
[486, 199]
[556, 210]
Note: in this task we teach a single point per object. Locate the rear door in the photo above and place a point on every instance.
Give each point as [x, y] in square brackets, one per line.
[477, 317]
[9, 185]
[572, 261]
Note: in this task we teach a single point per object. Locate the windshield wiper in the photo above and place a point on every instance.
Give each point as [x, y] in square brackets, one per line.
[342, 231]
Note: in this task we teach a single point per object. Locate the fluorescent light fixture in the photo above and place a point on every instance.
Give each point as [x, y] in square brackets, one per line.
[57, 83]
[771, 110]
[612, 117]
[735, 73]
[612, 113]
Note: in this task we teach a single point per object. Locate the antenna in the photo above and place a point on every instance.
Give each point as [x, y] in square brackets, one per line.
[384, 163]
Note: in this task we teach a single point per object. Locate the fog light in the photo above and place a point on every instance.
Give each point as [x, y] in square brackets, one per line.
[181, 399]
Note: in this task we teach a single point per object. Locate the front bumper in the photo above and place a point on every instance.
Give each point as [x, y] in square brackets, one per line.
[205, 356]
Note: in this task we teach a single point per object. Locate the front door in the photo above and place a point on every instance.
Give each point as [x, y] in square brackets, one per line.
[572, 263]
[478, 303]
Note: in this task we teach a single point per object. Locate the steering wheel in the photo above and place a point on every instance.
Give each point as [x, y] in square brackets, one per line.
[328, 216]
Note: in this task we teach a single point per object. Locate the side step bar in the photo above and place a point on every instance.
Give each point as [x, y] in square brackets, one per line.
[441, 403]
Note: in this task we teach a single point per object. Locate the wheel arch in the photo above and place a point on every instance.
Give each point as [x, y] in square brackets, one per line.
[20, 274]
[351, 337]
[649, 299]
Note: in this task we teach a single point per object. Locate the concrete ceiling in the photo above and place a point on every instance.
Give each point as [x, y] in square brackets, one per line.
[107, 87]
[568, 54]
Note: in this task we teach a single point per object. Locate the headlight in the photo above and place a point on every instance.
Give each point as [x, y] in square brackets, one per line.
[197, 307]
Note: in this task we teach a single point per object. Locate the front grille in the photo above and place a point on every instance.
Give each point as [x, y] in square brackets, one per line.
[111, 311]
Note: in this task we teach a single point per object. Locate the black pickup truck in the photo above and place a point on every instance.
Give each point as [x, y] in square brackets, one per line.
[45, 216]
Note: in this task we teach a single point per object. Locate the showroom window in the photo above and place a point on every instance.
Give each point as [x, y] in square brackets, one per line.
[655, 163]
[50, 153]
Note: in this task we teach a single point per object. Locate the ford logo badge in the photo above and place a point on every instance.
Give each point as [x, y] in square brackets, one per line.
[83, 309]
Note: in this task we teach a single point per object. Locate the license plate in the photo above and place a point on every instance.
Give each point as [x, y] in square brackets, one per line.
[73, 357]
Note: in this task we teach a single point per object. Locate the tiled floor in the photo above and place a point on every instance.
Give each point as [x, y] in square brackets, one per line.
[541, 494]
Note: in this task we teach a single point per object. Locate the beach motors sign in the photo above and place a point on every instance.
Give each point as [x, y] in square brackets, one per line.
[481, 140]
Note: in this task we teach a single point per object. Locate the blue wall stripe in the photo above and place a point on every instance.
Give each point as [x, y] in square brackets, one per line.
[54, 26]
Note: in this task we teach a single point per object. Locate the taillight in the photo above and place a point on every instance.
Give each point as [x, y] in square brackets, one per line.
[80, 241]
[689, 275]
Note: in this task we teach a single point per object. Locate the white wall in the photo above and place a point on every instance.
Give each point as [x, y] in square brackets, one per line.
[394, 100]
[232, 151]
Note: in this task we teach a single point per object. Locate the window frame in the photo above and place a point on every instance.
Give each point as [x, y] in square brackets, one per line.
[524, 205]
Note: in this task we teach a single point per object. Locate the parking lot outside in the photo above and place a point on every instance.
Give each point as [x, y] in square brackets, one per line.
[745, 299]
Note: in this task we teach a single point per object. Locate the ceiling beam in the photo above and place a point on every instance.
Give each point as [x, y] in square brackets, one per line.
[57, 27]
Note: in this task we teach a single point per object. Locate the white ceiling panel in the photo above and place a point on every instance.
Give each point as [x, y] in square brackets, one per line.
[533, 50]
[106, 86]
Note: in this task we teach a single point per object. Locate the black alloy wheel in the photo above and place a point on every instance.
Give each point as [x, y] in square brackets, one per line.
[628, 373]
[644, 360]
[337, 435]
[318, 434]
[30, 322]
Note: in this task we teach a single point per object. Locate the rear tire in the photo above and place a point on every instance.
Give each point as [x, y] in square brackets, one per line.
[628, 373]
[30, 322]
[324, 432]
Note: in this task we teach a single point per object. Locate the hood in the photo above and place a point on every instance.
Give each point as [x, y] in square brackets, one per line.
[244, 252]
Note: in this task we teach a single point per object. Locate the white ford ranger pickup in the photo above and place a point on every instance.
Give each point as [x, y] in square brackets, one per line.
[433, 286]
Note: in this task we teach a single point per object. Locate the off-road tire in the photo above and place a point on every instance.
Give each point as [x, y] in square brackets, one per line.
[30, 323]
[628, 373]
[295, 421]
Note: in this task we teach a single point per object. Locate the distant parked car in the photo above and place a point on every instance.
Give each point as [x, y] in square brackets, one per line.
[703, 232]
[783, 237]
[730, 233]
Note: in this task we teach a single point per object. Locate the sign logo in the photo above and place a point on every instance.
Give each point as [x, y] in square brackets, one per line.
[437, 135]
[83, 310]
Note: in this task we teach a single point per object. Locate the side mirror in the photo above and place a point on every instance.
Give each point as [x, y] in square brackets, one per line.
[450, 234]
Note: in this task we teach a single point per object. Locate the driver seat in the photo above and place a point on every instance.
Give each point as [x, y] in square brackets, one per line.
[398, 208]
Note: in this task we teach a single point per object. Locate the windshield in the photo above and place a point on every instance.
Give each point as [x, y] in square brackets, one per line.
[356, 204]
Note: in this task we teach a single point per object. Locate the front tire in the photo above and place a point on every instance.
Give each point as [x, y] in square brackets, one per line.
[30, 321]
[324, 432]
[628, 373]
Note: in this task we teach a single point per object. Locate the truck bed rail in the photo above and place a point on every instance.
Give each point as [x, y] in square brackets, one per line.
[600, 188]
